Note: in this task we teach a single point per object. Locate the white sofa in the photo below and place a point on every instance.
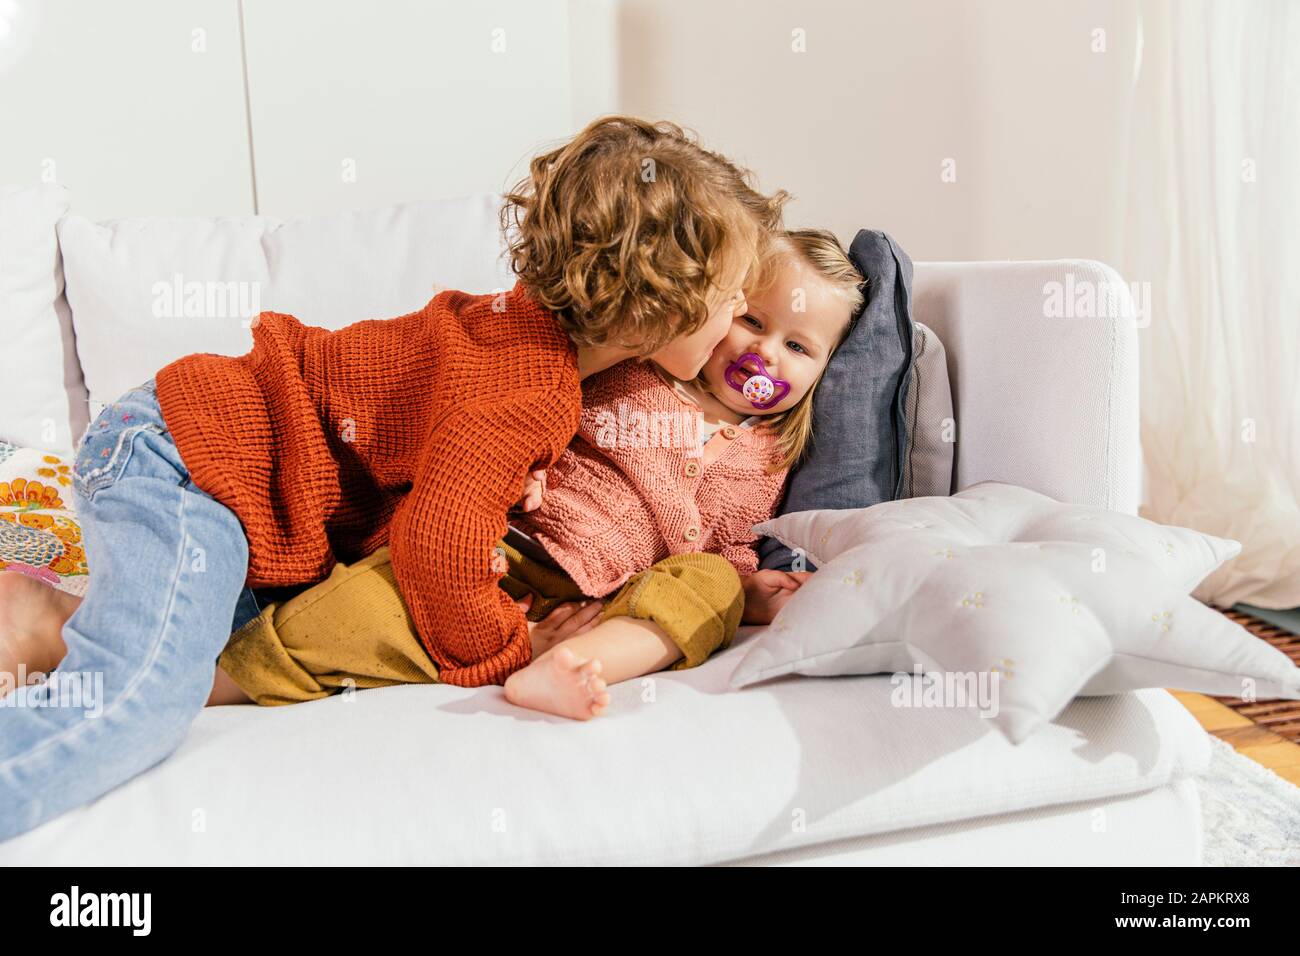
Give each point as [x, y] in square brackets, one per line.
[681, 770]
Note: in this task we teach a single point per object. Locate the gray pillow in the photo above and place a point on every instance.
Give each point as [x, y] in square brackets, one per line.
[859, 422]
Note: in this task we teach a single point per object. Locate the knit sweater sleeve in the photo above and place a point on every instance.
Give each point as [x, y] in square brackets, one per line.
[742, 556]
[441, 540]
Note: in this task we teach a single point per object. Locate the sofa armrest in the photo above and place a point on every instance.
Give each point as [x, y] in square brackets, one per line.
[1043, 362]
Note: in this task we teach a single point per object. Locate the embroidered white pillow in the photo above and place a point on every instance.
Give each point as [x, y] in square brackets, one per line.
[1041, 600]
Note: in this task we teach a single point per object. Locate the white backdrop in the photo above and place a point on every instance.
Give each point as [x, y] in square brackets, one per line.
[968, 130]
[288, 107]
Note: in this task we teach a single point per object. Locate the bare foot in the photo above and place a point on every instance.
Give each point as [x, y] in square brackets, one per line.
[32, 616]
[560, 683]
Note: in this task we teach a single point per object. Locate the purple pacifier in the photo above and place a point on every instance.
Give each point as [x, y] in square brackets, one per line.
[760, 389]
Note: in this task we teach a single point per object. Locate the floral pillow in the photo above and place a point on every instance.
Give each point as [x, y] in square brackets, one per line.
[39, 533]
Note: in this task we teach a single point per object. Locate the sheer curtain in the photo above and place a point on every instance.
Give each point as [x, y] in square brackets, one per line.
[1212, 222]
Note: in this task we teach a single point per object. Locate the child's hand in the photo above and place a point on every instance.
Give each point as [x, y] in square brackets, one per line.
[767, 591]
[567, 620]
[534, 489]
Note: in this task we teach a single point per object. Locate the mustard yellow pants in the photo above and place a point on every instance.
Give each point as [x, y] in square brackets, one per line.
[353, 630]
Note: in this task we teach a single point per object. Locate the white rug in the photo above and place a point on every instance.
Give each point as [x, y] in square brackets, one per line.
[1251, 816]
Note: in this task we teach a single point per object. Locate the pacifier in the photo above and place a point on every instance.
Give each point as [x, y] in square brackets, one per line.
[760, 389]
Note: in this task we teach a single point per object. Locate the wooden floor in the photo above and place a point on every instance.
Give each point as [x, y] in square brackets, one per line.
[1248, 739]
[1267, 731]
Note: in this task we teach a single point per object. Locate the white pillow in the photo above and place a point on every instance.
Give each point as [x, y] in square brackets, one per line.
[1029, 599]
[44, 399]
[329, 271]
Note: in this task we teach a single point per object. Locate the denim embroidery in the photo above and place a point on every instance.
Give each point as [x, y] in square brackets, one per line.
[106, 448]
[89, 479]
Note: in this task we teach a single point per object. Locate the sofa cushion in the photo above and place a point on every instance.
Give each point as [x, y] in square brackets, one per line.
[678, 771]
[147, 291]
[44, 400]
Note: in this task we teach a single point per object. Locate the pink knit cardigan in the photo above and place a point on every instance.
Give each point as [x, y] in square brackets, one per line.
[635, 485]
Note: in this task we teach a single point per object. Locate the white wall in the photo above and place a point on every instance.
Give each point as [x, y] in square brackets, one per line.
[367, 104]
[114, 101]
[140, 107]
[351, 105]
[859, 125]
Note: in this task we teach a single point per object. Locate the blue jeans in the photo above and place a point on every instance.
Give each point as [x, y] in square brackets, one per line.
[168, 568]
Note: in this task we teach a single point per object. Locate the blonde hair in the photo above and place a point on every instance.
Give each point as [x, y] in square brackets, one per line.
[820, 249]
[626, 231]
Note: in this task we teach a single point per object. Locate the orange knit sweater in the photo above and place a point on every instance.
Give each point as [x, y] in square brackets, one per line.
[416, 431]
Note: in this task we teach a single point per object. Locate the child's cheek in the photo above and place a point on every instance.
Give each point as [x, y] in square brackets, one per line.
[798, 389]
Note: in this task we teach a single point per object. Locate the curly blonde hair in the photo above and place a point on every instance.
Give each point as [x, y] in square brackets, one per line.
[628, 230]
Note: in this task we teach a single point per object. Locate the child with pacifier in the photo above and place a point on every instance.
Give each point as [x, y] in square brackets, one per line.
[649, 509]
